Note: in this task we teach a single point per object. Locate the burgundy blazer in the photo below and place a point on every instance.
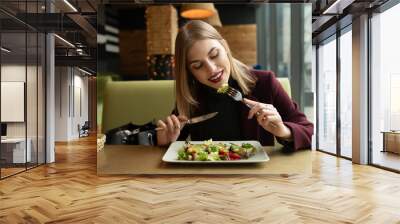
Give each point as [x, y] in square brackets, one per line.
[269, 90]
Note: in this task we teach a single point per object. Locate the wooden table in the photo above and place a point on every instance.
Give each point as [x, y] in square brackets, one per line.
[391, 141]
[146, 160]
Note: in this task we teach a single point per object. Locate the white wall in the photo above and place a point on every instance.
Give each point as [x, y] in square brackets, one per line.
[71, 94]
[62, 80]
[16, 73]
[13, 72]
[33, 126]
[12, 101]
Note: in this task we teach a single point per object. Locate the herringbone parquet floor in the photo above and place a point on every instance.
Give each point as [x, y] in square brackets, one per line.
[69, 191]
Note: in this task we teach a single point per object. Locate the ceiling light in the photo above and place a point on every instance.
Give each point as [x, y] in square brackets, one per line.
[70, 5]
[337, 7]
[65, 41]
[84, 71]
[5, 50]
[197, 10]
[79, 44]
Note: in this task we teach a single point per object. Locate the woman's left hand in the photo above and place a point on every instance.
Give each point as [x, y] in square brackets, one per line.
[268, 118]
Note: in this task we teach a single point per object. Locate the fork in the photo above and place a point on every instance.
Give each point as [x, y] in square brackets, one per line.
[236, 95]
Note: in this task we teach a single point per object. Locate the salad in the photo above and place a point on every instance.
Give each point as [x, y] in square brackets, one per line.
[210, 151]
[223, 89]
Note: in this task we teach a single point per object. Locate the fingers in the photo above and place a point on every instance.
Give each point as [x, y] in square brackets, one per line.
[257, 108]
[260, 108]
[176, 122]
[168, 130]
[268, 121]
[161, 125]
[254, 103]
[266, 114]
[171, 123]
[250, 102]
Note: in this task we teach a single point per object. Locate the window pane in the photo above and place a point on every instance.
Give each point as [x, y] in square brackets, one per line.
[386, 88]
[327, 97]
[284, 42]
[308, 76]
[346, 94]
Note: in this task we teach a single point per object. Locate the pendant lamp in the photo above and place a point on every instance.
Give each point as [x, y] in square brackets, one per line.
[197, 10]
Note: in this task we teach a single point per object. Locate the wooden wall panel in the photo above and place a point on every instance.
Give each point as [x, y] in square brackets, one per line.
[242, 40]
[92, 104]
[133, 52]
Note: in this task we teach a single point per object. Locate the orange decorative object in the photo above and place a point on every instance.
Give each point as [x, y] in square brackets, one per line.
[197, 10]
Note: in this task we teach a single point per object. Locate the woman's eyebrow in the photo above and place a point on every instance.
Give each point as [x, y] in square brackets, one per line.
[209, 52]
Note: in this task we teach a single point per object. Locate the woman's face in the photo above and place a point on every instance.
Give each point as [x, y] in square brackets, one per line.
[208, 62]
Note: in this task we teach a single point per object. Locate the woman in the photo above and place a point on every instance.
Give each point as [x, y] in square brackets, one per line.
[204, 63]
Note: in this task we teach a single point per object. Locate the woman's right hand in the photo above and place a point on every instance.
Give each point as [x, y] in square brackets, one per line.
[171, 129]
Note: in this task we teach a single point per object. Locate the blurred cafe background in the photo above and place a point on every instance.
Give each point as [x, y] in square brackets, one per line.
[339, 58]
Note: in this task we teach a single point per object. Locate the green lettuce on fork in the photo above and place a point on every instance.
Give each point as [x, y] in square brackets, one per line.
[210, 151]
[223, 89]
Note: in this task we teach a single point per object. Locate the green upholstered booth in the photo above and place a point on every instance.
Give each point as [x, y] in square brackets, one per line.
[138, 102]
[286, 85]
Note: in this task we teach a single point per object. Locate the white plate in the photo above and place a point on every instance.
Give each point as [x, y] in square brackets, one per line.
[171, 156]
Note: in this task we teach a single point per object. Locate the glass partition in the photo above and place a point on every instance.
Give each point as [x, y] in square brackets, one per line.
[14, 152]
[22, 89]
[327, 96]
[346, 93]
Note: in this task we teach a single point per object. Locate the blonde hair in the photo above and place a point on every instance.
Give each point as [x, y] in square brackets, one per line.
[185, 82]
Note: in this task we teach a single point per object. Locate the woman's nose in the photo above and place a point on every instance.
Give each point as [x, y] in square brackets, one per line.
[210, 65]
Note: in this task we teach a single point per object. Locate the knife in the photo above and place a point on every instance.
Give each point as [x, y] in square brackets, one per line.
[195, 120]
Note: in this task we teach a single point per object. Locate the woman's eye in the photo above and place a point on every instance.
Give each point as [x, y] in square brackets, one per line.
[197, 66]
[214, 55]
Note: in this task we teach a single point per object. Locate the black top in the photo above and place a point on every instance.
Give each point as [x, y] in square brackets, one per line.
[225, 125]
